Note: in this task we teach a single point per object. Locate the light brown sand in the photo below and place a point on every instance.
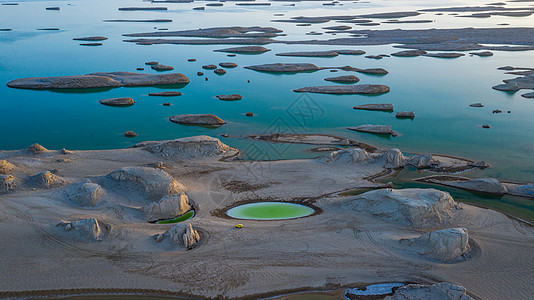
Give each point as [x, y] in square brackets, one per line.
[338, 247]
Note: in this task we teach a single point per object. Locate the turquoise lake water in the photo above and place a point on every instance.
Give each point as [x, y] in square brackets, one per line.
[439, 90]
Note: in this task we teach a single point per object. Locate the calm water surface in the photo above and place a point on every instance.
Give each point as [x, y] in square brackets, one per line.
[270, 211]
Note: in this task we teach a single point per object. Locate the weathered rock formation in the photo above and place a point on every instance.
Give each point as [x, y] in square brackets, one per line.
[442, 291]
[345, 89]
[217, 32]
[394, 159]
[160, 67]
[482, 185]
[377, 129]
[350, 52]
[142, 8]
[284, 68]
[199, 119]
[405, 114]
[379, 106]
[391, 15]
[515, 84]
[482, 53]
[209, 67]
[228, 65]
[155, 182]
[6, 167]
[447, 245]
[189, 147]
[85, 193]
[329, 53]
[88, 229]
[232, 97]
[91, 38]
[244, 49]
[7, 183]
[37, 149]
[340, 27]
[409, 53]
[413, 207]
[343, 79]
[167, 207]
[445, 54]
[99, 80]
[47, 180]
[125, 101]
[351, 155]
[166, 94]
[183, 235]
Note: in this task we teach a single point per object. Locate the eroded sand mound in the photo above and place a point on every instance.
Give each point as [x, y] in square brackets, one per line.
[182, 235]
[37, 149]
[394, 159]
[424, 160]
[47, 180]
[352, 155]
[85, 193]
[88, 229]
[438, 291]
[188, 148]
[415, 207]
[155, 182]
[7, 183]
[447, 245]
[6, 167]
[167, 207]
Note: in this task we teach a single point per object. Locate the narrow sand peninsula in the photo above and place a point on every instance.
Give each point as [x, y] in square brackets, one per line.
[65, 228]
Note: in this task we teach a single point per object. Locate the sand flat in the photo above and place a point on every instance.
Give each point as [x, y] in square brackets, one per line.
[353, 246]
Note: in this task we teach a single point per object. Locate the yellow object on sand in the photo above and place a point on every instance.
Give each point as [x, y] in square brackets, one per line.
[239, 226]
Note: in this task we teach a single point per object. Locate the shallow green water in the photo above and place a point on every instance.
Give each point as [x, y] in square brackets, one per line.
[269, 211]
[188, 215]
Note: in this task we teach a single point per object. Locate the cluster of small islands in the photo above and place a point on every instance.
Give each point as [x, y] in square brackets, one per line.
[154, 219]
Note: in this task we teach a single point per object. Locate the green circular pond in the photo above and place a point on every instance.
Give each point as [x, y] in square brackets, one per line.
[270, 211]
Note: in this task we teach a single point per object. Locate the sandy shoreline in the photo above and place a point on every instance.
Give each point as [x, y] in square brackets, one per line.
[86, 223]
[341, 246]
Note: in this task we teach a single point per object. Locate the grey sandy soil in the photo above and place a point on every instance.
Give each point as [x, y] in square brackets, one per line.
[342, 245]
